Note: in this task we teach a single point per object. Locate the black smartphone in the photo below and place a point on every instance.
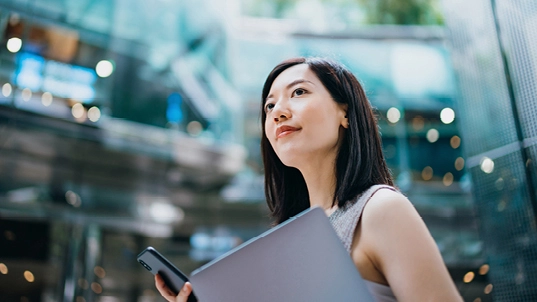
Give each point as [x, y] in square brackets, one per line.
[154, 262]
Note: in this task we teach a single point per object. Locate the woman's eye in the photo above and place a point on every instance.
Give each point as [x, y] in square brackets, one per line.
[269, 106]
[299, 92]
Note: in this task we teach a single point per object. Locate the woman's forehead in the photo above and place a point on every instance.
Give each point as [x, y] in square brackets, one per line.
[294, 74]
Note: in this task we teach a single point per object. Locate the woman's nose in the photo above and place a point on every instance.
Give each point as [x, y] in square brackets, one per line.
[281, 112]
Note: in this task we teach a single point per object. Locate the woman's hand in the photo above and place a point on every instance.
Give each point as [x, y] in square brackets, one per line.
[168, 294]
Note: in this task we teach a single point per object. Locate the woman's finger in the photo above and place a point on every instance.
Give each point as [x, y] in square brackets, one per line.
[184, 293]
[164, 290]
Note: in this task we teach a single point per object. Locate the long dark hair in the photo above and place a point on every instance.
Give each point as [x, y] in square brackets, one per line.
[360, 162]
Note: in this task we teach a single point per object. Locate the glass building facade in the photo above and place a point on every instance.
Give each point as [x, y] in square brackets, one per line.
[493, 47]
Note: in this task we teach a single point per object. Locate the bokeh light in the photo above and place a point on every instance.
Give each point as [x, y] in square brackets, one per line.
[46, 99]
[26, 94]
[432, 135]
[469, 277]
[6, 90]
[94, 114]
[487, 165]
[104, 68]
[448, 179]
[427, 173]
[78, 110]
[447, 115]
[14, 45]
[455, 142]
[484, 269]
[393, 115]
[29, 276]
[459, 163]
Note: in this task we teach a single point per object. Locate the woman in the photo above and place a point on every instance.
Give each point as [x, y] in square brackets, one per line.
[321, 147]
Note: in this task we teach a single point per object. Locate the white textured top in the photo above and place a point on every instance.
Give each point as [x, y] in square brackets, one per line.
[344, 220]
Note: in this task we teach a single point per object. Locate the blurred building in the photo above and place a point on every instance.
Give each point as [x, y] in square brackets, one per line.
[132, 123]
[494, 53]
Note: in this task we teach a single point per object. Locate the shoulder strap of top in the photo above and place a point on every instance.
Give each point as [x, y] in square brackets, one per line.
[345, 220]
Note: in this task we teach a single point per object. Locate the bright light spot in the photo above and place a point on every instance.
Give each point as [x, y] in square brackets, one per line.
[99, 272]
[3, 269]
[468, 277]
[29, 276]
[448, 179]
[14, 45]
[78, 110]
[94, 114]
[427, 173]
[104, 68]
[46, 99]
[394, 115]
[447, 115]
[194, 128]
[96, 287]
[73, 199]
[433, 135]
[26, 94]
[459, 163]
[487, 165]
[6, 90]
[165, 212]
[484, 269]
[488, 289]
[455, 142]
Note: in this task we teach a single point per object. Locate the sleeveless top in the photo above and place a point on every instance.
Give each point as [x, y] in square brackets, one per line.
[345, 220]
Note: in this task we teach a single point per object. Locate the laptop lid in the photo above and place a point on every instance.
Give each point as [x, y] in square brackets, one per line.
[301, 259]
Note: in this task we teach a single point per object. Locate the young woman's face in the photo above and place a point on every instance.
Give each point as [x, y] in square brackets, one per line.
[303, 122]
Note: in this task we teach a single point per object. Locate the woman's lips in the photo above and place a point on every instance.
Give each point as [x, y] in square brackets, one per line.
[285, 130]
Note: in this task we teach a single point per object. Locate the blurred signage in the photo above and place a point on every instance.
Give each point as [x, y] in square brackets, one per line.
[60, 79]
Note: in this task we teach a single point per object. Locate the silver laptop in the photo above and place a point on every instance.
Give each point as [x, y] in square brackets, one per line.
[301, 259]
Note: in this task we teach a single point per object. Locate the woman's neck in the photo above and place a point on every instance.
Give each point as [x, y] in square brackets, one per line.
[320, 179]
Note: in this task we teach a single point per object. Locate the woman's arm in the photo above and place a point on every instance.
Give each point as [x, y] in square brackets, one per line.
[400, 246]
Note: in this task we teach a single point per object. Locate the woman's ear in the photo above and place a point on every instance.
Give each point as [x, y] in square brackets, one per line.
[345, 122]
[344, 119]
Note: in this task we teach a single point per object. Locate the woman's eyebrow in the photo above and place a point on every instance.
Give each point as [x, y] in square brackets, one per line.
[298, 81]
[293, 83]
